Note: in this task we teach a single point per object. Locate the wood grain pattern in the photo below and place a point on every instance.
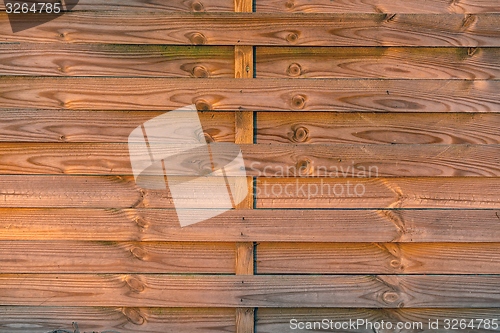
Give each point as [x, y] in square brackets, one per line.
[297, 225]
[116, 60]
[264, 160]
[103, 126]
[42, 319]
[398, 193]
[375, 193]
[277, 320]
[272, 127]
[153, 290]
[378, 258]
[470, 30]
[152, 6]
[188, 320]
[379, 6]
[366, 128]
[162, 94]
[115, 257]
[379, 62]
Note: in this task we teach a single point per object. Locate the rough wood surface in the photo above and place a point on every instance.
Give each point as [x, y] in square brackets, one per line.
[291, 225]
[162, 94]
[379, 62]
[272, 127]
[366, 128]
[395, 193]
[378, 6]
[116, 60]
[21, 319]
[102, 126]
[20, 257]
[380, 29]
[264, 160]
[219, 291]
[43, 319]
[378, 258]
[370, 193]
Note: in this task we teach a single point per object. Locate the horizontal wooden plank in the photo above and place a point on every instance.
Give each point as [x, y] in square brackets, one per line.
[162, 94]
[261, 29]
[152, 290]
[115, 257]
[278, 320]
[121, 225]
[378, 258]
[156, 6]
[116, 60]
[377, 193]
[23, 319]
[42, 319]
[338, 193]
[272, 127]
[378, 6]
[366, 128]
[378, 62]
[263, 160]
[102, 126]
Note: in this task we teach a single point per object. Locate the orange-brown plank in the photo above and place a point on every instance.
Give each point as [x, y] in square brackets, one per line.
[378, 6]
[162, 94]
[43, 319]
[278, 320]
[252, 225]
[381, 29]
[378, 193]
[103, 126]
[342, 291]
[264, 160]
[379, 62]
[366, 128]
[115, 257]
[378, 258]
[116, 60]
[369, 193]
[153, 5]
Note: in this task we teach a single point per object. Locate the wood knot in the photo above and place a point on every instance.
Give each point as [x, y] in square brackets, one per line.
[298, 101]
[135, 284]
[304, 167]
[202, 105]
[395, 263]
[292, 37]
[300, 134]
[290, 4]
[139, 253]
[142, 223]
[134, 316]
[198, 7]
[468, 21]
[200, 72]
[390, 297]
[294, 69]
[198, 38]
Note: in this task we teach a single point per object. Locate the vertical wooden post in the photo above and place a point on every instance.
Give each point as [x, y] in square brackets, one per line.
[243, 61]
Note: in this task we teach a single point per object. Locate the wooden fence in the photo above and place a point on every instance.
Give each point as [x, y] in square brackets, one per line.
[394, 103]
